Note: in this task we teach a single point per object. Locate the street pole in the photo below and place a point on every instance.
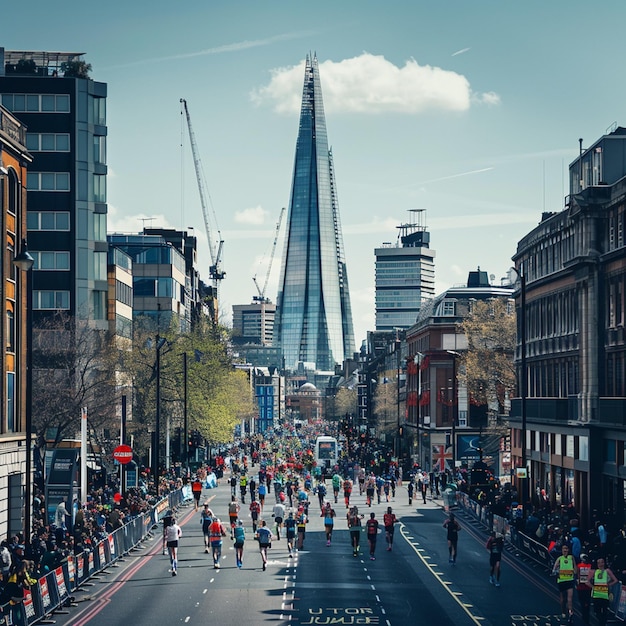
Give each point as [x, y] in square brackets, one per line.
[24, 262]
[523, 388]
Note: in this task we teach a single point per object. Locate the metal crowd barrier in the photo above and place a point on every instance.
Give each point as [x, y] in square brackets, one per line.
[55, 588]
[531, 548]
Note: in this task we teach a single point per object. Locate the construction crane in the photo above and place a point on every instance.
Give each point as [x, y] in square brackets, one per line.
[261, 297]
[215, 269]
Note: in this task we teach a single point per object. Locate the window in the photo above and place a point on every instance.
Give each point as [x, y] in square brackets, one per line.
[100, 227]
[448, 307]
[10, 327]
[583, 448]
[48, 181]
[99, 149]
[35, 103]
[51, 300]
[99, 111]
[11, 402]
[99, 305]
[49, 220]
[47, 261]
[99, 188]
[100, 266]
[48, 142]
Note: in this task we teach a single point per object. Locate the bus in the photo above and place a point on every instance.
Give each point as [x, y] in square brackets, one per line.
[326, 452]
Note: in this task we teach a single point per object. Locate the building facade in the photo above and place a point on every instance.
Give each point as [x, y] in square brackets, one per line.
[405, 276]
[65, 115]
[313, 316]
[14, 163]
[570, 419]
[254, 323]
[443, 426]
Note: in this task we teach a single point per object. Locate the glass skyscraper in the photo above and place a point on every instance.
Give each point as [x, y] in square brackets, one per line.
[313, 316]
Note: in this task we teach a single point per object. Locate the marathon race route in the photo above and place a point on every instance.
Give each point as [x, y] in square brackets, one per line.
[411, 584]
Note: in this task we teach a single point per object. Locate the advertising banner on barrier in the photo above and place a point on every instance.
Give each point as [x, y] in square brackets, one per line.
[29, 607]
[112, 547]
[102, 554]
[71, 573]
[46, 600]
[61, 586]
[91, 564]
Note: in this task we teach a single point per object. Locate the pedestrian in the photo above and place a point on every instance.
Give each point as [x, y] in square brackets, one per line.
[389, 519]
[206, 517]
[240, 538]
[410, 487]
[264, 537]
[233, 514]
[370, 487]
[279, 515]
[196, 490]
[321, 494]
[290, 532]
[495, 545]
[233, 485]
[172, 534]
[583, 589]
[255, 510]
[354, 524]
[601, 579]
[252, 487]
[262, 493]
[347, 491]
[452, 527]
[167, 520]
[425, 485]
[328, 513]
[336, 480]
[301, 522]
[565, 571]
[216, 533]
[372, 531]
[243, 487]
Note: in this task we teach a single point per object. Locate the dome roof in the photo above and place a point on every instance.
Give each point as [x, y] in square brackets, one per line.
[308, 387]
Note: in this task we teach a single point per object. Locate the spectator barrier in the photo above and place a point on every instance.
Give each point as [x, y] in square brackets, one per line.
[54, 590]
[530, 547]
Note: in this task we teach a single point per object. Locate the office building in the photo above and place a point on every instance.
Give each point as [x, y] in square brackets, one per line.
[313, 315]
[571, 427]
[254, 323]
[405, 275]
[65, 114]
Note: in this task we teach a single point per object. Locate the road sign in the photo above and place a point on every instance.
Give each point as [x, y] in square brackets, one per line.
[123, 454]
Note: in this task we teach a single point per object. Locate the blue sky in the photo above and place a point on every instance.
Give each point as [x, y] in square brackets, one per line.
[470, 110]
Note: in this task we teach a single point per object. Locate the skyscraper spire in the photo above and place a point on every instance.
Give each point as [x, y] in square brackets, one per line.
[314, 316]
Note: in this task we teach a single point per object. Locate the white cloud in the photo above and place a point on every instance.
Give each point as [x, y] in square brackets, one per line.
[490, 98]
[370, 84]
[254, 215]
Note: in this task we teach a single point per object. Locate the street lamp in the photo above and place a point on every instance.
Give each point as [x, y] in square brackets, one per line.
[523, 380]
[24, 262]
[160, 342]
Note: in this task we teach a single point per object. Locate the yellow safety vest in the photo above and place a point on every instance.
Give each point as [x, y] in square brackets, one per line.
[600, 584]
[566, 569]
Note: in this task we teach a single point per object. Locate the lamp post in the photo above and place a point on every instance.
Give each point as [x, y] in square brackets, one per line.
[455, 407]
[523, 382]
[160, 342]
[24, 262]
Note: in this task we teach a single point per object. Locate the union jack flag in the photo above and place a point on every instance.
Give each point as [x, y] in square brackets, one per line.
[441, 458]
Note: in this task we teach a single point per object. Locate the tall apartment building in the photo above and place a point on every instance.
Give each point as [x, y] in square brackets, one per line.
[405, 275]
[14, 163]
[313, 314]
[254, 323]
[574, 266]
[65, 115]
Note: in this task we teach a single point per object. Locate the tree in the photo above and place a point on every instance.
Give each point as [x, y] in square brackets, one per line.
[76, 69]
[487, 367]
[74, 366]
[345, 401]
[386, 407]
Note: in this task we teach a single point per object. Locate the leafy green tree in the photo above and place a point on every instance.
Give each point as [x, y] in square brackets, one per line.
[487, 366]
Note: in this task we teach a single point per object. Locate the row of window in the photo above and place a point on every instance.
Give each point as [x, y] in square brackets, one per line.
[48, 220]
[36, 103]
[48, 181]
[48, 142]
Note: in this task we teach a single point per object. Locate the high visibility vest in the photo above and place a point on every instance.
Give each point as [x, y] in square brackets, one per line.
[600, 585]
[566, 569]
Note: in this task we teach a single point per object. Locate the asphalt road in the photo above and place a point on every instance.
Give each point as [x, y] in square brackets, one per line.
[412, 584]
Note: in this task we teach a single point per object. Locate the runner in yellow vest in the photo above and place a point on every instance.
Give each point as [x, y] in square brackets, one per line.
[602, 579]
[565, 571]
